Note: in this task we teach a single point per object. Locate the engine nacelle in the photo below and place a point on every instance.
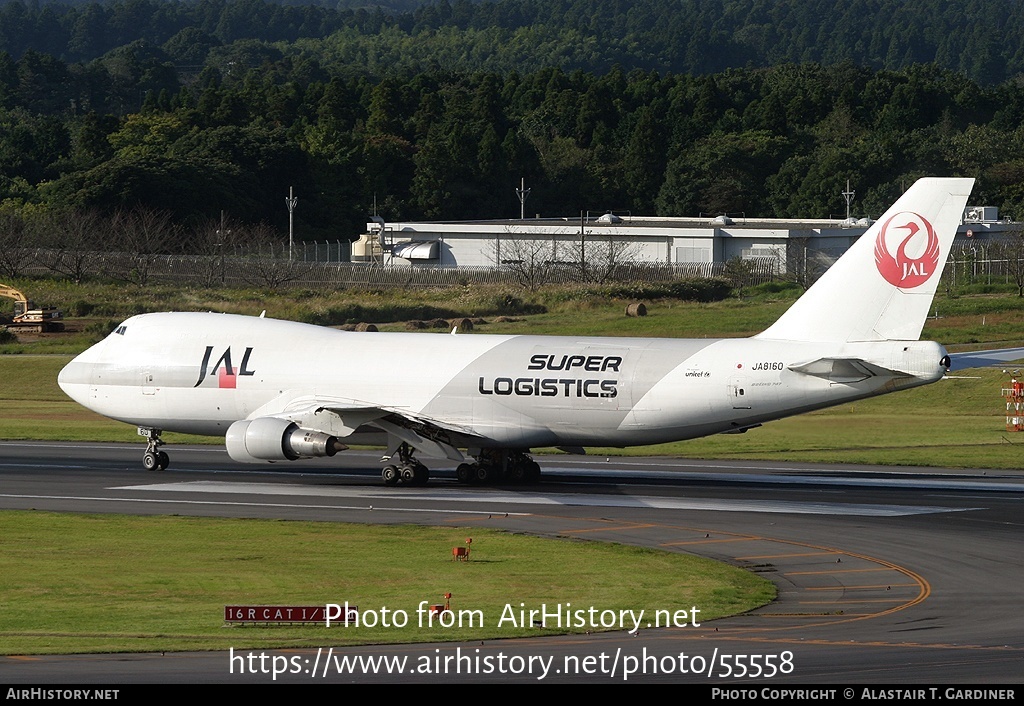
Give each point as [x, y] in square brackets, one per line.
[272, 439]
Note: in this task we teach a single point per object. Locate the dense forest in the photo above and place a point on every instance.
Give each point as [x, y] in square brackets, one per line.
[193, 108]
[983, 39]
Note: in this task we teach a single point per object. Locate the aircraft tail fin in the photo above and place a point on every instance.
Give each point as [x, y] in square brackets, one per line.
[881, 289]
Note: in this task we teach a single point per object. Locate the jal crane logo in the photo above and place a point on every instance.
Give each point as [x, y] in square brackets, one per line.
[917, 254]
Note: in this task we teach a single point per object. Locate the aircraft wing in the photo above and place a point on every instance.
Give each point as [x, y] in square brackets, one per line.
[980, 359]
[336, 416]
[341, 417]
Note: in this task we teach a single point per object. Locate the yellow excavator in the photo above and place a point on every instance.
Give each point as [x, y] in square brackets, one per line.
[28, 318]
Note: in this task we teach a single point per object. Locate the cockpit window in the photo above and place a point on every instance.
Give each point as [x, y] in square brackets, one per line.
[121, 329]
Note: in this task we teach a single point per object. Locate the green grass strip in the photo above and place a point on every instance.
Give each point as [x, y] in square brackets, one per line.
[116, 583]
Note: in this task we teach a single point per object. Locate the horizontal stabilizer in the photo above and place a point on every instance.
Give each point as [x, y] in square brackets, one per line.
[845, 370]
[979, 359]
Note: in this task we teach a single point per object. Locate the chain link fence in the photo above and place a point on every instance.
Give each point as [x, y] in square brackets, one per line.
[270, 267]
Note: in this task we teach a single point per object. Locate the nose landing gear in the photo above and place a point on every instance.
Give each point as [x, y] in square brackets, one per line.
[154, 459]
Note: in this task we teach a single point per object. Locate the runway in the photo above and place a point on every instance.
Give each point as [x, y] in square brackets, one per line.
[885, 575]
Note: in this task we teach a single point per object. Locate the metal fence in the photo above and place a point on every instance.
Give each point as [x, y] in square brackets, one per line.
[271, 267]
[328, 251]
[983, 263]
[316, 265]
[281, 272]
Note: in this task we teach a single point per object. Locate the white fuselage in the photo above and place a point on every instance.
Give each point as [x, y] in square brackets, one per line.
[199, 373]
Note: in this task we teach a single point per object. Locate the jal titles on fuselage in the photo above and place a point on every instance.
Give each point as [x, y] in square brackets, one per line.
[223, 368]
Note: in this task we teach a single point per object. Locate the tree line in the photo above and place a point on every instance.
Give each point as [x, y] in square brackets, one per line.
[981, 38]
[776, 142]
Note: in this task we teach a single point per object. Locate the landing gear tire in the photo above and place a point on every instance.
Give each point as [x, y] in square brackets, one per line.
[408, 470]
[532, 475]
[496, 466]
[155, 460]
[465, 473]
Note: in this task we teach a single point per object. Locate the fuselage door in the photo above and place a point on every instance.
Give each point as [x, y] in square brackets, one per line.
[739, 391]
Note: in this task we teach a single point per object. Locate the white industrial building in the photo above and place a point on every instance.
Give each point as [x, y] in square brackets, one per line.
[612, 238]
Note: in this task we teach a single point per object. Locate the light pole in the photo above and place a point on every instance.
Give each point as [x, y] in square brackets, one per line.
[583, 249]
[848, 195]
[291, 202]
[222, 234]
[522, 192]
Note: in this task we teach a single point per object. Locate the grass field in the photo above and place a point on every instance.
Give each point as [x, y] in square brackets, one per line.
[114, 583]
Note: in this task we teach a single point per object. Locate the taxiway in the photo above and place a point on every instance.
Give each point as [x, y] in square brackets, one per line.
[885, 575]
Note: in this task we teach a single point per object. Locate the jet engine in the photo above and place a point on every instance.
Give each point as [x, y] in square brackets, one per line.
[275, 439]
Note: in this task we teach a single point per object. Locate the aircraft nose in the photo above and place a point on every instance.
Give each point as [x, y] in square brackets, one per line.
[75, 378]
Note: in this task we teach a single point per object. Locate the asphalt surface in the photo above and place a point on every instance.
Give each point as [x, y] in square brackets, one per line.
[885, 575]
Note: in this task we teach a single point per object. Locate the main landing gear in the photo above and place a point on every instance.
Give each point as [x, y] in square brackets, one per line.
[408, 470]
[153, 459]
[495, 466]
[492, 467]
